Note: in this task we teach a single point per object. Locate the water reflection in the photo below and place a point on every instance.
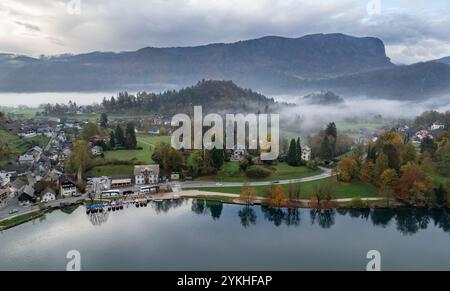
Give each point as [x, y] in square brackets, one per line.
[203, 207]
[165, 205]
[278, 216]
[323, 217]
[247, 216]
[99, 218]
[407, 221]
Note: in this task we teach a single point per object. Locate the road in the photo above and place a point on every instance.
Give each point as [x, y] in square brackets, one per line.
[14, 204]
[326, 174]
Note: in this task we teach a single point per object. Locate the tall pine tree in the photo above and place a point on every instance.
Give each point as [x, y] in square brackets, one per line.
[120, 138]
[292, 158]
[299, 152]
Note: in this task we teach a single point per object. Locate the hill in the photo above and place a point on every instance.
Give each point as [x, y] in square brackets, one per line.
[268, 62]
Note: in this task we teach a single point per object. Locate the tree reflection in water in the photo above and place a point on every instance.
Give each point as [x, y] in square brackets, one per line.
[247, 216]
[288, 216]
[323, 217]
[204, 207]
[165, 205]
[99, 217]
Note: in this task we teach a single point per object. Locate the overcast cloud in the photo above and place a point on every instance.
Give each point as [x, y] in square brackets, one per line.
[412, 30]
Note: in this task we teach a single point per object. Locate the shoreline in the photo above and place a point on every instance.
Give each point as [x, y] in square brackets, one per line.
[226, 198]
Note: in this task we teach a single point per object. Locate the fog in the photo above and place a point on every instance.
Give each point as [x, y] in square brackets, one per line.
[305, 116]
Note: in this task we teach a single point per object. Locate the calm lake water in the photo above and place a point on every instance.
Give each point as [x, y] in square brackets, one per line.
[198, 235]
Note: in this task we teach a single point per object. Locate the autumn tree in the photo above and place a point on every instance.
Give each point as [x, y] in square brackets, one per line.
[426, 163]
[381, 165]
[80, 159]
[346, 169]
[248, 194]
[276, 195]
[388, 181]
[414, 186]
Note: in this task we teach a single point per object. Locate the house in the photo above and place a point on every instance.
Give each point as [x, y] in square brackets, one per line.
[48, 195]
[5, 178]
[67, 188]
[27, 195]
[97, 151]
[17, 186]
[26, 159]
[436, 126]
[5, 195]
[306, 153]
[421, 134]
[120, 182]
[146, 174]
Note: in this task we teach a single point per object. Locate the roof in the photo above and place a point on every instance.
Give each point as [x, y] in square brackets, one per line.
[120, 181]
[48, 190]
[17, 184]
[26, 158]
[146, 168]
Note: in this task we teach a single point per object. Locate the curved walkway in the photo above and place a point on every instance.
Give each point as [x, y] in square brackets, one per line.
[326, 174]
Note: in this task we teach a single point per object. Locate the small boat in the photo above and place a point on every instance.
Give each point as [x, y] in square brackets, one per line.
[88, 211]
[100, 209]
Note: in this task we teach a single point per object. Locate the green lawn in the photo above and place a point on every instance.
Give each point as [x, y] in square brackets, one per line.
[143, 156]
[342, 190]
[19, 145]
[355, 127]
[22, 113]
[111, 170]
[230, 173]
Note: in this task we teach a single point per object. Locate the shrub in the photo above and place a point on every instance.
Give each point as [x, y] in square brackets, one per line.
[258, 172]
[358, 203]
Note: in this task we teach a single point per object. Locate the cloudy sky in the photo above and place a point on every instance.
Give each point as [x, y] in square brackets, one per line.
[413, 30]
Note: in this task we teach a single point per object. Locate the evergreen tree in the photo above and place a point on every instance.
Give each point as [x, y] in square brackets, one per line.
[299, 152]
[331, 130]
[112, 139]
[217, 158]
[326, 152]
[292, 158]
[130, 136]
[120, 138]
[104, 120]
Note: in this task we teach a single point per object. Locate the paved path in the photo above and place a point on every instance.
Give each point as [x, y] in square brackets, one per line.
[326, 174]
[191, 193]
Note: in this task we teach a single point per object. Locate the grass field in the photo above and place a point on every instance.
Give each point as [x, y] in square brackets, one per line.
[342, 190]
[230, 173]
[143, 156]
[21, 113]
[355, 127]
[19, 146]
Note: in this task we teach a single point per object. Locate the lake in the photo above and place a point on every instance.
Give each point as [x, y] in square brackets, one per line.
[199, 235]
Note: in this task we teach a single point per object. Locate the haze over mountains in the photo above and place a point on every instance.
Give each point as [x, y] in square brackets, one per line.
[337, 62]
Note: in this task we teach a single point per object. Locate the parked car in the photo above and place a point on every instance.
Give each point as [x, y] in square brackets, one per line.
[12, 211]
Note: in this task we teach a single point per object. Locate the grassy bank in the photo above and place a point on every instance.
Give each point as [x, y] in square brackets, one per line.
[230, 173]
[353, 190]
[8, 223]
